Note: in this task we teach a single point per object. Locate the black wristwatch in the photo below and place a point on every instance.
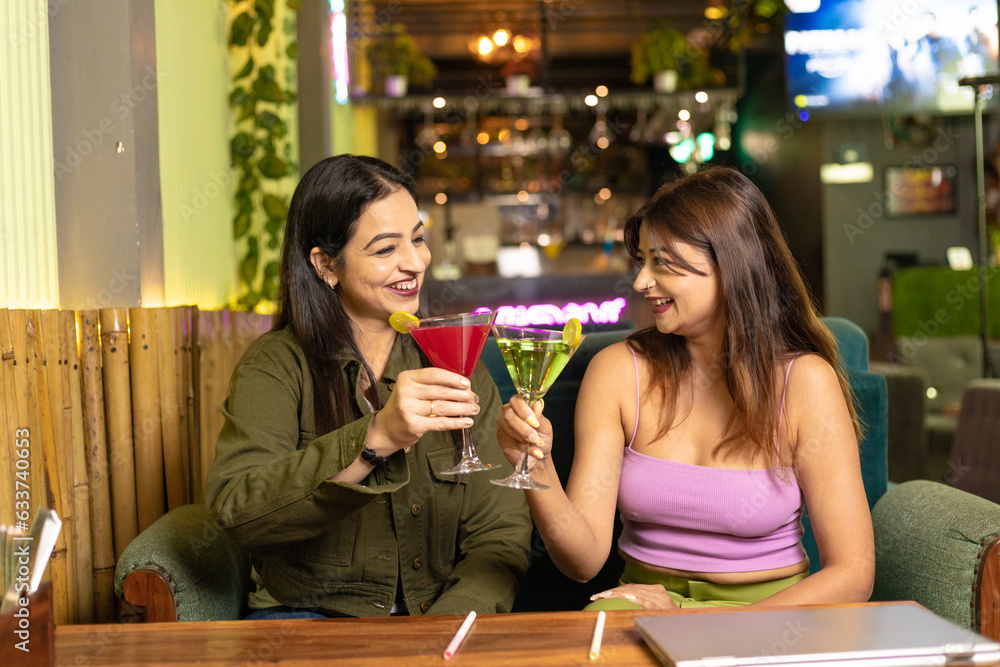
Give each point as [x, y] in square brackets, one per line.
[371, 457]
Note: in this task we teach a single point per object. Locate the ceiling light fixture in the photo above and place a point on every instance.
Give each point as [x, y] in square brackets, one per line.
[502, 46]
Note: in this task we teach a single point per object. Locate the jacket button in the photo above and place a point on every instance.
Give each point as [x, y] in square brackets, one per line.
[424, 606]
[416, 509]
[418, 563]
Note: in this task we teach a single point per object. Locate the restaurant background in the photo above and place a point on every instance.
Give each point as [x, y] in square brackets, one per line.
[130, 198]
[148, 150]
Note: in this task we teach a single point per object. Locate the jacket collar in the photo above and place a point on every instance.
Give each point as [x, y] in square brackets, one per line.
[404, 356]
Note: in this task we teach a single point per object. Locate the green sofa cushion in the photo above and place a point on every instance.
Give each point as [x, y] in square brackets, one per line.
[928, 537]
[208, 575]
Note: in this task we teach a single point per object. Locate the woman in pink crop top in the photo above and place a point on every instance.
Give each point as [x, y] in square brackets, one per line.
[709, 430]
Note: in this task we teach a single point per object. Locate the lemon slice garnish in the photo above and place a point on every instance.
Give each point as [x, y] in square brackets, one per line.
[572, 332]
[403, 322]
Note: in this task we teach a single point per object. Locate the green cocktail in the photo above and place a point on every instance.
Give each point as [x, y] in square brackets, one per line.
[534, 359]
[534, 364]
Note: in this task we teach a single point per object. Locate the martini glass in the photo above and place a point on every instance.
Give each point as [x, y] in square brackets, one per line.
[534, 359]
[455, 342]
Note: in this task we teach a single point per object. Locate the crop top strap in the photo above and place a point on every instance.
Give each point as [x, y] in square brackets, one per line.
[781, 412]
[635, 428]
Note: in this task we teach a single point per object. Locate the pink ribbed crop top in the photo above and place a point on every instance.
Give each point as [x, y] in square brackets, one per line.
[702, 519]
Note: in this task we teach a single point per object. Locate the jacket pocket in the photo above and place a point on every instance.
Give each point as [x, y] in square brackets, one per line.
[334, 548]
[449, 496]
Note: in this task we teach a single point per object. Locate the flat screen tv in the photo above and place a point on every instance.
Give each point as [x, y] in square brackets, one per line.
[889, 56]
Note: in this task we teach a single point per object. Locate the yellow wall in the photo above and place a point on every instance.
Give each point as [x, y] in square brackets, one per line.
[192, 61]
[196, 123]
[354, 129]
[29, 274]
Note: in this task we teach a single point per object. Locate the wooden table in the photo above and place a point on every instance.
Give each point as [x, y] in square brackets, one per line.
[535, 639]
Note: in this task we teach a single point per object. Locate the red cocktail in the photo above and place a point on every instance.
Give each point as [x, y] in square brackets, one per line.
[454, 343]
[454, 348]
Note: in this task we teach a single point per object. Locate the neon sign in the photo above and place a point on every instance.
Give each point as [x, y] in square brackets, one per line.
[548, 313]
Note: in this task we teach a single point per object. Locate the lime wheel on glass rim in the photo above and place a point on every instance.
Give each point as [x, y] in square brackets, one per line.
[402, 321]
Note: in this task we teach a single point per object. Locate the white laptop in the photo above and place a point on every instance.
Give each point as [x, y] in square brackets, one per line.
[892, 635]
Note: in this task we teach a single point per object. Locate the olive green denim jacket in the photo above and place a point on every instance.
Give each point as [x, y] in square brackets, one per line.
[453, 544]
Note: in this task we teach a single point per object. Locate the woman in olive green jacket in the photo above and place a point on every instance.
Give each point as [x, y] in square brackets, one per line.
[327, 467]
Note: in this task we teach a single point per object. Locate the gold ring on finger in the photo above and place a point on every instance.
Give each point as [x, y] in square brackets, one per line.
[431, 415]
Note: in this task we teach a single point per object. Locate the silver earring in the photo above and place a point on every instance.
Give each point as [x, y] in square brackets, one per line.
[329, 281]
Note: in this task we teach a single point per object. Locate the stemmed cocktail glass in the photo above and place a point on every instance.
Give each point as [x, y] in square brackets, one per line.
[534, 358]
[454, 342]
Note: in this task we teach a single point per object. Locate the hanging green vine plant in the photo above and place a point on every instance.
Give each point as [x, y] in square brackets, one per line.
[261, 148]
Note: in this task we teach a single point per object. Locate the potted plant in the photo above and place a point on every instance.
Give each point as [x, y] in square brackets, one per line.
[666, 55]
[396, 61]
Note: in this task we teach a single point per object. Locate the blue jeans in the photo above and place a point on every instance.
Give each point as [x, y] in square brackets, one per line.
[281, 612]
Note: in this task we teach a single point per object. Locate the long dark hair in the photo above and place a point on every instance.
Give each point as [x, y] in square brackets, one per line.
[768, 310]
[324, 214]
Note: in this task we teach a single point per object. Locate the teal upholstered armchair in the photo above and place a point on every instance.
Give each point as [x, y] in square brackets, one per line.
[871, 403]
[940, 546]
[183, 568]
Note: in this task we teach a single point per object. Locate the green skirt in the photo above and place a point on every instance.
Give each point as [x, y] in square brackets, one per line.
[688, 593]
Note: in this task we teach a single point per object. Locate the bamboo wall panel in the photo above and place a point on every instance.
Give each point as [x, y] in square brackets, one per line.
[8, 422]
[57, 468]
[20, 403]
[118, 419]
[95, 444]
[211, 367]
[69, 416]
[146, 426]
[192, 402]
[32, 399]
[73, 408]
[170, 407]
[108, 416]
[182, 359]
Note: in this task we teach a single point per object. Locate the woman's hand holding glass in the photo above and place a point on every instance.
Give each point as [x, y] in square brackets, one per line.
[522, 426]
[423, 400]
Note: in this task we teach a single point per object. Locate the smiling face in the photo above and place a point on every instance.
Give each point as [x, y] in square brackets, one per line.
[684, 302]
[381, 268]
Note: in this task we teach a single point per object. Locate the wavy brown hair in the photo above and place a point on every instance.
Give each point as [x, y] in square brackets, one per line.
[768, 311]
